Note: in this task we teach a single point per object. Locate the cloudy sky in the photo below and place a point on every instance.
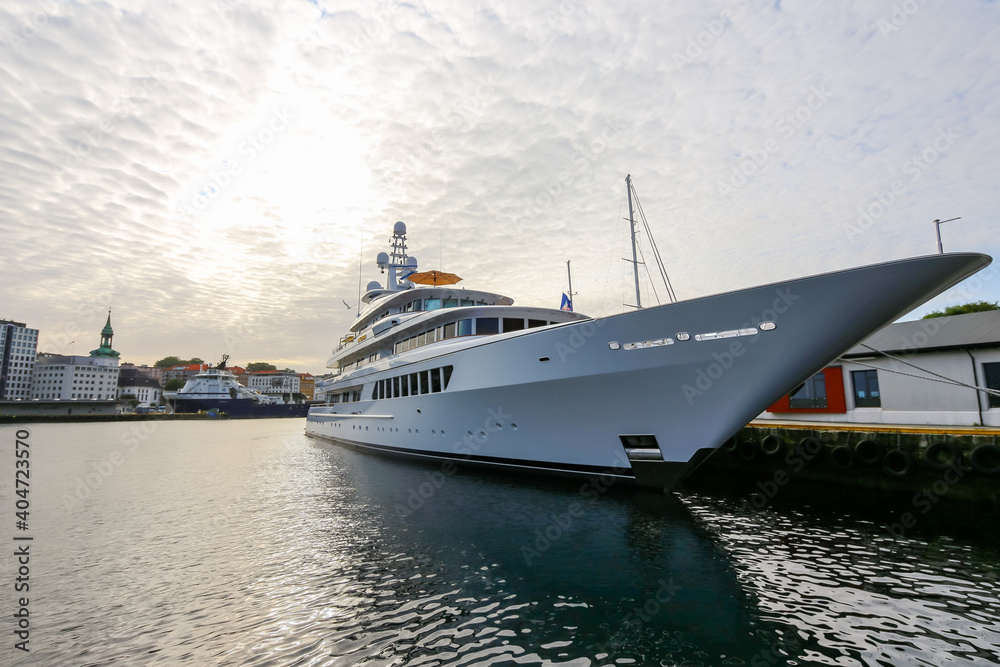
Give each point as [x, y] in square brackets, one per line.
[215, 172]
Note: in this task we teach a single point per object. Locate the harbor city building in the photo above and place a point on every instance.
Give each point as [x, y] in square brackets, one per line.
[18, 352]
[276, 383]
[76, 377]
[145, 389]
[919, 372]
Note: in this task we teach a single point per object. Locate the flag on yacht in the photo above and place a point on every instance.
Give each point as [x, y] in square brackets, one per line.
[567, 303]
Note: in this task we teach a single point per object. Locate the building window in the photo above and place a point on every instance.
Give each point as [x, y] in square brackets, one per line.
[866, 393]
[810, 394]
[991, 372]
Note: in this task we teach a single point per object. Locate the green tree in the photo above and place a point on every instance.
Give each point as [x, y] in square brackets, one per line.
[167, 362]
[195, 360]
[260, 366]
[173, 385]
[973, 307]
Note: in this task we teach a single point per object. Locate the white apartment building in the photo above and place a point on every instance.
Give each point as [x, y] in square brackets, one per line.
[65, 378]
[18, 351]
[132, 382]
[275, 383]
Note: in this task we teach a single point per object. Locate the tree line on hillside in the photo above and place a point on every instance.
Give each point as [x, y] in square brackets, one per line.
[973, 307]
[253, 367]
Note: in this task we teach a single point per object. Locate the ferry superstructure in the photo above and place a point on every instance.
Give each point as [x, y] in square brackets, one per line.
[461, 376]
[216, 388]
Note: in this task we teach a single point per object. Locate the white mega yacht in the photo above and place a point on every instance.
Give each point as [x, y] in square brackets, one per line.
[458, 376]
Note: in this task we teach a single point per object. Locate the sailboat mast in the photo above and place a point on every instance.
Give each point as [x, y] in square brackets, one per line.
[631, 222]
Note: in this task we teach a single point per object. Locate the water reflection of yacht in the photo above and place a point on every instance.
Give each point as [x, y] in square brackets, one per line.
[450, 375]
[218, 389]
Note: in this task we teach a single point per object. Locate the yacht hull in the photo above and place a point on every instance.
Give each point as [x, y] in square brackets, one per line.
[624, 396]
[239, 407]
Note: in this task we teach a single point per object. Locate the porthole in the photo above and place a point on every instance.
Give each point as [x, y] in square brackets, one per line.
[683, 336]
[614, 345]
[766, 326]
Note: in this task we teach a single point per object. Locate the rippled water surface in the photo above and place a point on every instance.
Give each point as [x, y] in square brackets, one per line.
[247, 543]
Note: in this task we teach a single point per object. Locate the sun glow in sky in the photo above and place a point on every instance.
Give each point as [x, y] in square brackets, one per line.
[213, 172]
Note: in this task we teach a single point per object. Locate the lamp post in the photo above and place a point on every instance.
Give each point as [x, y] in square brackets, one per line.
[937, 228]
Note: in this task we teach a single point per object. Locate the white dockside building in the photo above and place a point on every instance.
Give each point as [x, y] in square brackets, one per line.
[865, 385]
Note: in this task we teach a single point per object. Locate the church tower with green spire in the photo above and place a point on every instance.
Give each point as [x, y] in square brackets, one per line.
[107, 333]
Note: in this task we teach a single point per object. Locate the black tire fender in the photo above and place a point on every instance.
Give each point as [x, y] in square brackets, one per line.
[772, 445]
[842, 457]
[897, 463]
[985, 459]
[868, 452]
[748, 450]
[942, 455]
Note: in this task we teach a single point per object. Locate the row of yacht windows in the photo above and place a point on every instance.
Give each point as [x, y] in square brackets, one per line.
[418, 305]
[437, 304]
[432, 381]
[349, 396]
[479, 326]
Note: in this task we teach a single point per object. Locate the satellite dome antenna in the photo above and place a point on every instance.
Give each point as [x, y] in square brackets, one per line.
[398, 259]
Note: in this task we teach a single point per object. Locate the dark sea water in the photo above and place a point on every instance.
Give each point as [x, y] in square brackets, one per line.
[247, 543]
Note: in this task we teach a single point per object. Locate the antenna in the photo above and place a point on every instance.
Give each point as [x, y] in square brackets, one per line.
[937, 228]
[361, 257]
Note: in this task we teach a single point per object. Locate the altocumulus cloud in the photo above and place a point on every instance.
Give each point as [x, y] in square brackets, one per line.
[500, 133]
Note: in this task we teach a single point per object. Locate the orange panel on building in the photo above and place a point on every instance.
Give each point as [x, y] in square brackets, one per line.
[836, 402]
